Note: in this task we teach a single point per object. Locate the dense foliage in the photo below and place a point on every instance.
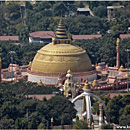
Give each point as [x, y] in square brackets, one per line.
[80, 124]
[23, 87]
[16, 20]
[104, 49]
[118, 110]
[23, 54]
[94, 47]
[20, 113]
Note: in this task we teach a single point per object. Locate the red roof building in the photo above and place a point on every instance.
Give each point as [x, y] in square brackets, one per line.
[123, 36]
[41, 37]
[42, 34]
[85, 37]
[40, 97]
[7, 38]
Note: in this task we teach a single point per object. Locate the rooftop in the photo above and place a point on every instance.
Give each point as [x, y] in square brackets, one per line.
[114, 7]
[42, 34]
[40, 97]
[7, 38]
[123, 36]
[81, 37]
[83, 9]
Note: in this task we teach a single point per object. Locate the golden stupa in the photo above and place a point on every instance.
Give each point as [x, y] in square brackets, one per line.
[60, 55]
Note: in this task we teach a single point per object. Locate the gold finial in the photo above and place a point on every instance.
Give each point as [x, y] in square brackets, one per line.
[40, 83]
[86, 86]
[121, 67]
[0, 62]
[30, 63]
[117, 42]
[69, 71]
[95, 83]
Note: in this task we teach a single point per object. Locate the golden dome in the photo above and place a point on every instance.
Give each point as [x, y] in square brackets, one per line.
[58, 58]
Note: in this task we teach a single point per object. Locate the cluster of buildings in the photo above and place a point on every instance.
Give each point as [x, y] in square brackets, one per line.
[67, 66]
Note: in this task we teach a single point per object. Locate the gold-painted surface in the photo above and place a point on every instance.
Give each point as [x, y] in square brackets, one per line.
[58, 58]
[95, 83]
[117, 42]
[30, 63]
[61, 31]
[121, 67]
[86, 86]
[40, 83]
[69, 71]
[128, 76]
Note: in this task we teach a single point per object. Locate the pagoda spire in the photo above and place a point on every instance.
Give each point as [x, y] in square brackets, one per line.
[60, 35]
[118, 55]
[61, 31]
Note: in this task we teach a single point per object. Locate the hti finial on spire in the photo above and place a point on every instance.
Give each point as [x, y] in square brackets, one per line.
[117, 42]
[118, 55]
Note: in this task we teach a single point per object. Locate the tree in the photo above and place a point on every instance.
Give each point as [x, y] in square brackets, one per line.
[17, 123]
[58, 106]
[60, 9]
[32, 124]
[100, 11]
[62, 122]
[41, 126]
[81, 124]
[6, 123]
[117, 29]
[77, 118]
[12, 11]
[124, 120]
[112, 109]
[107, 126]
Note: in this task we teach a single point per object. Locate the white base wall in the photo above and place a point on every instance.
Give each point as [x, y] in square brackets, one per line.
[45, 80]
[34, 78]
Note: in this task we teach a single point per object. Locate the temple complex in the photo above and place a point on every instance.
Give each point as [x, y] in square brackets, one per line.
[52, 62]
[68, 66]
